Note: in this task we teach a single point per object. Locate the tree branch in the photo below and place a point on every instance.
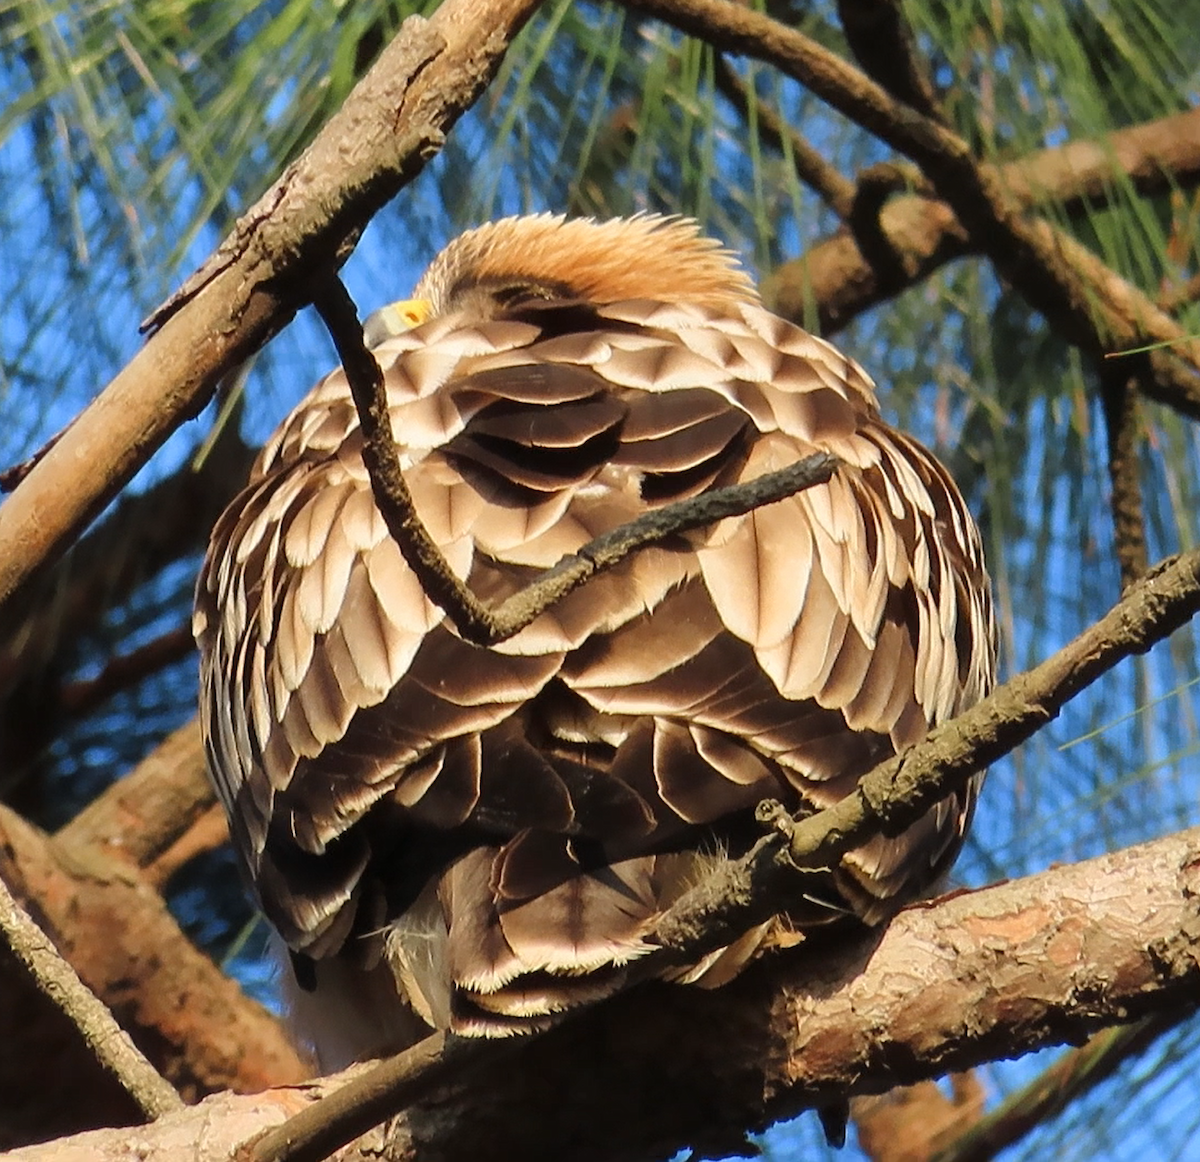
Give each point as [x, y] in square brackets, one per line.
[120, 672]
[899, 791]
[206, 833]
[948, 985]
[836, 278]
[201, 1030]
[1120, 380]
[1090, 304]
[474, 619]
[908, 1124]
[109, 1043]
[389, 126]
[896, 793]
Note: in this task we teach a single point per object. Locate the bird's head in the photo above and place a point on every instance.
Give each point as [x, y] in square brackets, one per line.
[549, 257]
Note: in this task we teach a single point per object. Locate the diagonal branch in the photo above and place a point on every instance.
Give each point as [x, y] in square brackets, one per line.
[897, 792]
[109, 1043]
[1080, 296]
[835, 277]
[474, 619]
[750, 890]
[202, 1031]
[948, 985]
[395, 119]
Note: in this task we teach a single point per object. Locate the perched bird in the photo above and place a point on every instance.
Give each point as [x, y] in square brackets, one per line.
[477, 838]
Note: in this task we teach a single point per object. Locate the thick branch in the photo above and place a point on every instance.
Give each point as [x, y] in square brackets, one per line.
[949, 985]
[201, 1030]
[392, 122]
[475, 620]
[109, 1043]
[836, 278]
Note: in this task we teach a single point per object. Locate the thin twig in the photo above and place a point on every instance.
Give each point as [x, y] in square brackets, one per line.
[897, 792]
[1119, 384]
[109, 1043]
[365, 1101]
[12, 476]
[475, 620]
[875, 186]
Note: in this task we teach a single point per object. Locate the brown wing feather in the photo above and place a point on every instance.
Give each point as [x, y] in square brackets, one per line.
[530, 808]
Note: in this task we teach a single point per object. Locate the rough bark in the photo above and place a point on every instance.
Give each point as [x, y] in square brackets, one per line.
[191, 1020]
[965, 979]
[108, 1042]
[836, 280]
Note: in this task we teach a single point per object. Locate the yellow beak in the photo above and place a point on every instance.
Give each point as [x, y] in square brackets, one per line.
[395, 319]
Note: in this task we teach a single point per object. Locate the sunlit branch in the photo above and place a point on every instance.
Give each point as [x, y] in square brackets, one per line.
[395, 119]
[949, 984]
[1080, 296]
[109, 1043]
[897, 792]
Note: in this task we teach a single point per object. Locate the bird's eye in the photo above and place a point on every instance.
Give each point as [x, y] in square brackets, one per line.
[520, 293]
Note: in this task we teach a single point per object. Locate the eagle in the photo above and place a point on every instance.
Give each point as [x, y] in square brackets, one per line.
[452, 836]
